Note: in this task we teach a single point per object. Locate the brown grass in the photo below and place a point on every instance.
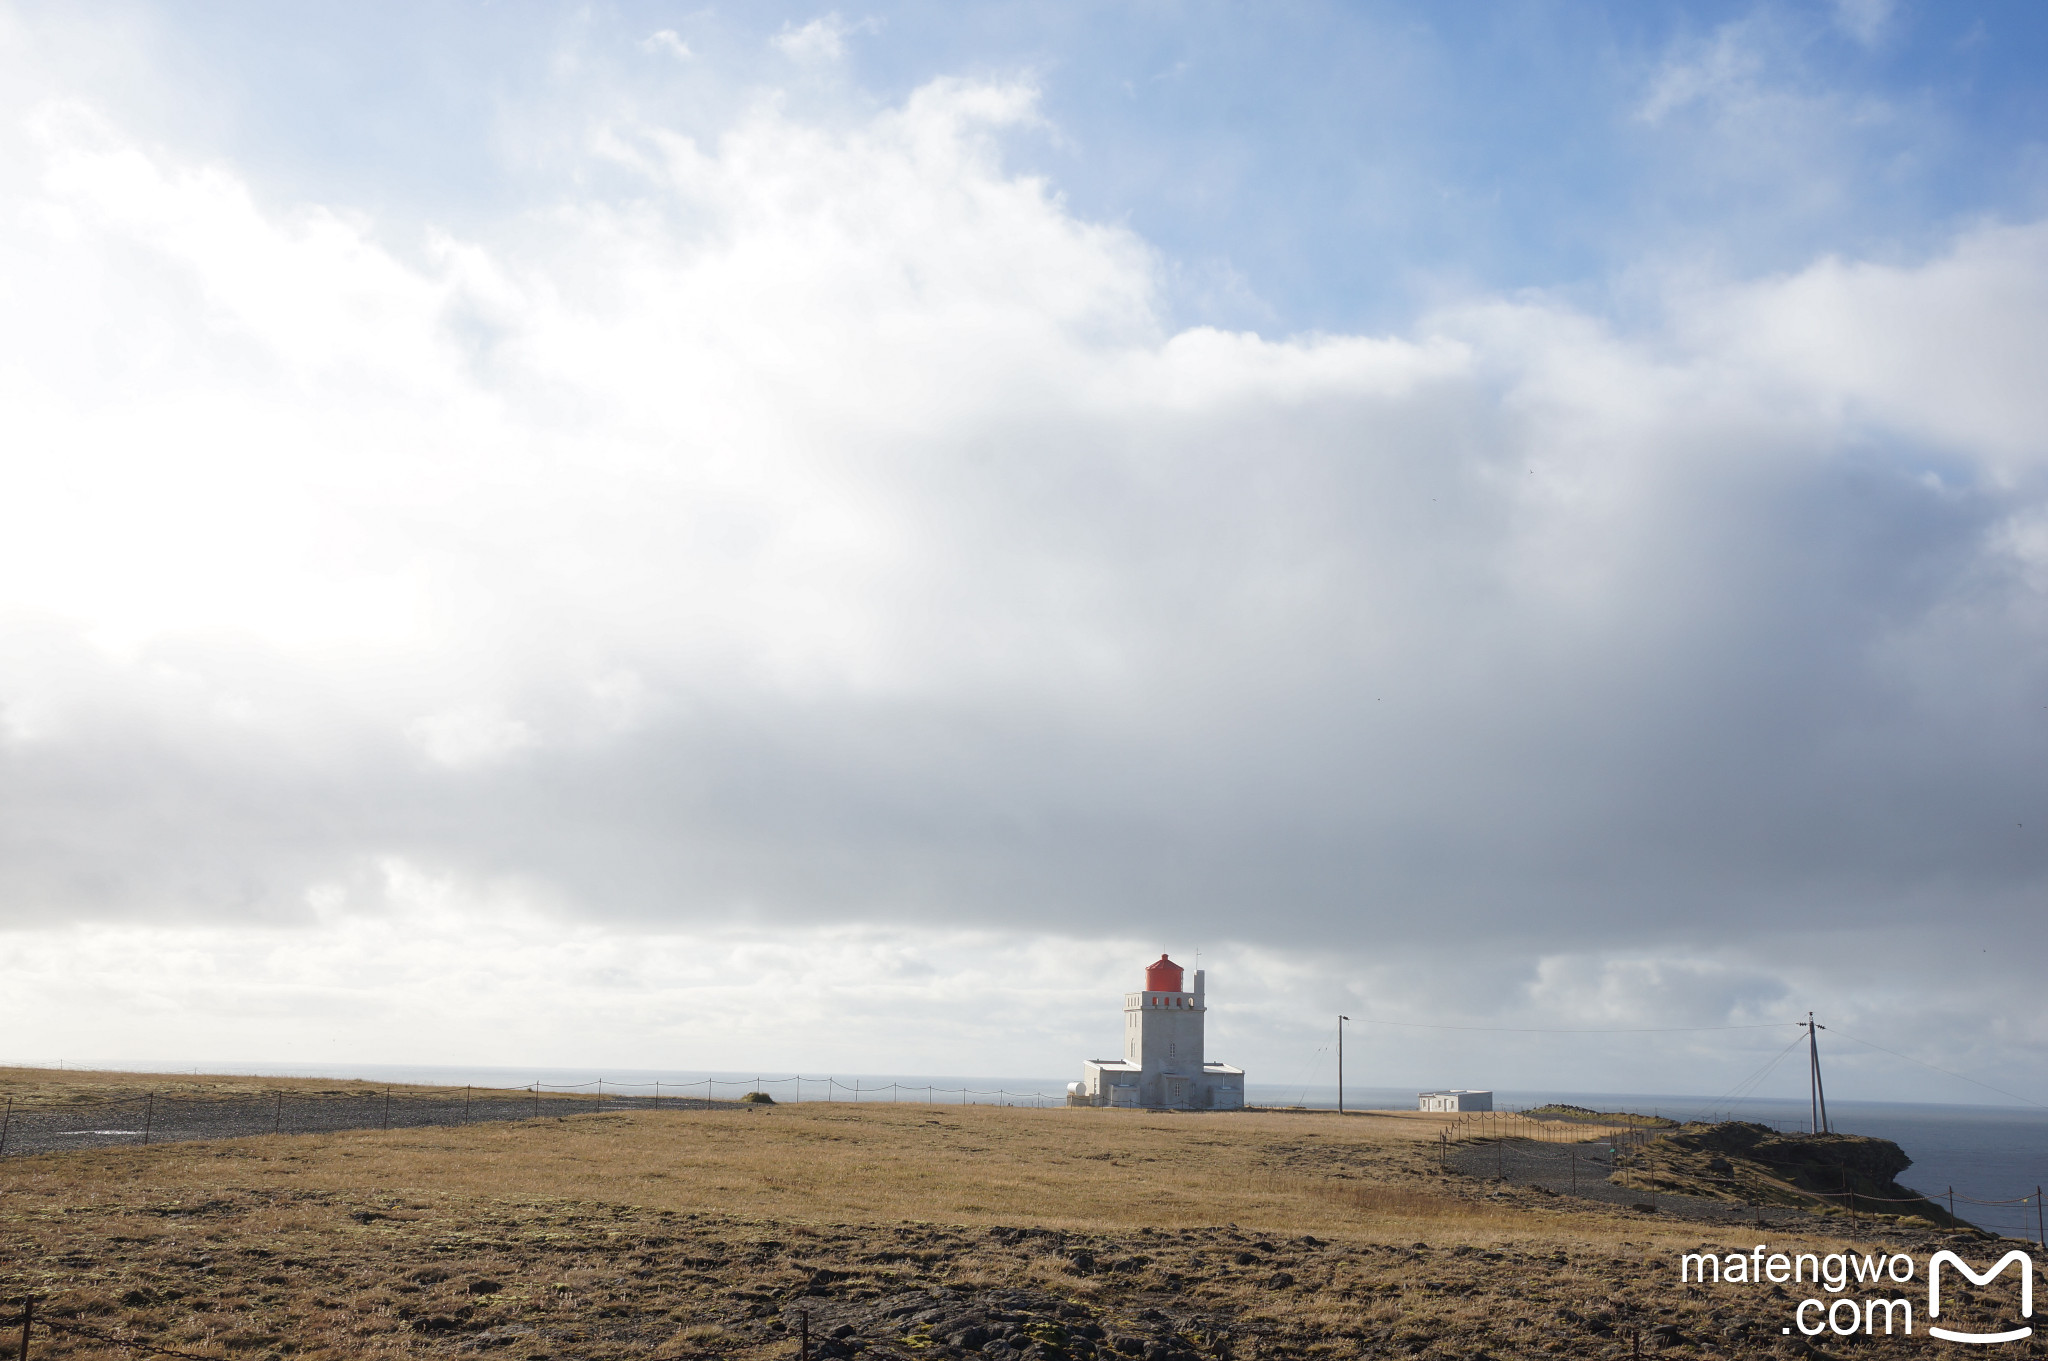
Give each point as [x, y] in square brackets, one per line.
[30, 1088]
[1084, 1170]
[687, 1233]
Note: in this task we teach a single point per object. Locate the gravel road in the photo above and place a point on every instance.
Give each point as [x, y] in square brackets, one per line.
[173, 1119]
[1582, 1170]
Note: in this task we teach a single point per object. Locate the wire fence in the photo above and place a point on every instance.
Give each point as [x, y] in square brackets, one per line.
[28, 1319]
[794, 1087]
[155, 1117]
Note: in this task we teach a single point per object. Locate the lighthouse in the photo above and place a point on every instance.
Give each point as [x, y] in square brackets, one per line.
[1163, 1064]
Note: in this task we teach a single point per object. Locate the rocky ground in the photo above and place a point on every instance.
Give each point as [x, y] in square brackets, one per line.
[618, 1235]
[1733, 1172]
[315, 1275]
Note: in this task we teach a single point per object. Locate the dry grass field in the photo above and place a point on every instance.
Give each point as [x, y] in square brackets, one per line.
[40, 1087]
[911, 1230]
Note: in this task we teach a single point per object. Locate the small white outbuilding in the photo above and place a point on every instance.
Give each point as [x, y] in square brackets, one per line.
[1457, 1099]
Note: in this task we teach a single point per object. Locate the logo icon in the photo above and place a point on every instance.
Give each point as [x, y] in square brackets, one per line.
[2026, 1265]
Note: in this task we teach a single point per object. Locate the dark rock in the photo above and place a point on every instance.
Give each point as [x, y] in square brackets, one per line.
[481, 1287]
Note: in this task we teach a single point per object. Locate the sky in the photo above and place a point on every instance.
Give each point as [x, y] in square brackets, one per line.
[669, 536]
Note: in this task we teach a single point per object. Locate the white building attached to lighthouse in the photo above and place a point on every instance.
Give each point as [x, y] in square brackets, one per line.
[1163, 1066]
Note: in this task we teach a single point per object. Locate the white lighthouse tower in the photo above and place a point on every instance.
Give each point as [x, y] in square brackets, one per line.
[1163, 1064]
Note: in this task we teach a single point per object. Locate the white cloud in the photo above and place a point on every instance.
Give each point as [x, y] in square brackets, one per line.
[824, 533]
[467, 737]
[1864, 20]
[821, 40]
[1761, 156]
[669, 41]
[1940, 351]
[419, 967]
[1726, 67]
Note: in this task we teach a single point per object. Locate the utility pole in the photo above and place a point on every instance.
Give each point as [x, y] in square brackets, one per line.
[1817, 1092]
[1340, 1063]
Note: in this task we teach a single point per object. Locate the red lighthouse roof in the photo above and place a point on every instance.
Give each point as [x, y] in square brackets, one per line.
[1163, 976]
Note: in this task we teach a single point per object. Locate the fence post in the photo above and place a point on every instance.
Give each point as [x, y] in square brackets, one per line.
[1951, 1202]
[536, 1100]
[148, 1116]
[277, 1120]
[803, 1333]
[2040, 1226]
[387, 1108]
[600, 1093]
[465, 1103]
[28, 1313]
[6, 1120]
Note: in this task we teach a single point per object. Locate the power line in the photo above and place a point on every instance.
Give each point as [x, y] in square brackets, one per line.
[1551, 1030]
[1742, 1090]
[1937, 1068]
